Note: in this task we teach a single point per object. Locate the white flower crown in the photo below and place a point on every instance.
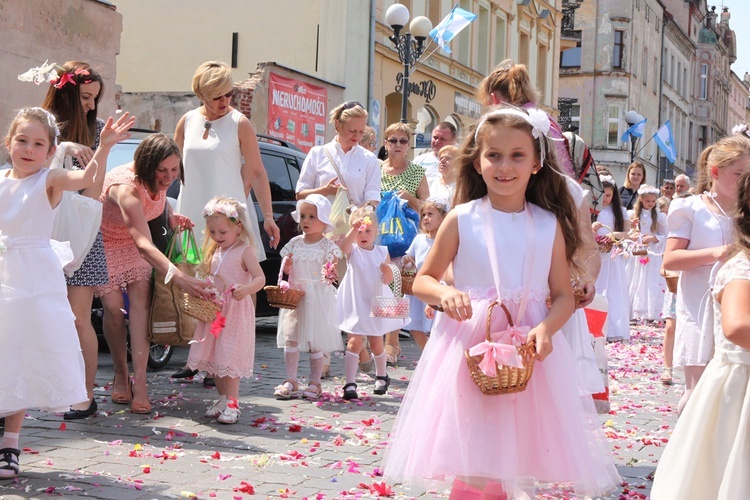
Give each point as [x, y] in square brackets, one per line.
[648, 190]
[226, 209]
[608, 179]
[441, 203]
[741, 128]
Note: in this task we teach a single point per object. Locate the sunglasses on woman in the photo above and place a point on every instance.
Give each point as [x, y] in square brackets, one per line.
[397, 141]
[228, 95]
[348, 105]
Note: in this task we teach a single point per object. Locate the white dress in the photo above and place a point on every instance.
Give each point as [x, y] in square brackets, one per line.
[213, 168]
[690, 219]
[613, 281]
[41, 364]
[360, 284]
[708, 455]
[313, 324]
[418, 250]
[647, 285]
[447, 428]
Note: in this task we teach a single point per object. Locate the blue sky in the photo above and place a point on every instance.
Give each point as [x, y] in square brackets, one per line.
[740, 10]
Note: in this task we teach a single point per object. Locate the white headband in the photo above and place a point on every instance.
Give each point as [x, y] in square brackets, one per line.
[441, 203]
[648, 190]
[51, 120]
[535, 117]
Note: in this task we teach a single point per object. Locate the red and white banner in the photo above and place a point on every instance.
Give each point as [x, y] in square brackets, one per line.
[297, 112]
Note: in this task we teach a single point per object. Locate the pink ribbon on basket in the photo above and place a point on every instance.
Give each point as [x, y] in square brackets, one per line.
[515, 335]
[496, 354]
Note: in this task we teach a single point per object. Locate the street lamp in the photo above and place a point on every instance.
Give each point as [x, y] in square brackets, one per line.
[631, 118]
[409, 51]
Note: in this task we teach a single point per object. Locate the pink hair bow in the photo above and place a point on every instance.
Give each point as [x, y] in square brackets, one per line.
[496, 354]
[515, 335]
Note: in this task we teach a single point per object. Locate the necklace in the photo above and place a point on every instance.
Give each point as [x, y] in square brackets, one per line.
[725, 238]
[514, 213]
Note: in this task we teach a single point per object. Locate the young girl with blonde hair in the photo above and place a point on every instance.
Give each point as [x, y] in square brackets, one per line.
[230, 261]
[700, 235]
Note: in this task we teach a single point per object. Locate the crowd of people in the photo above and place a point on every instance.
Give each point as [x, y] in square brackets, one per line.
[503, 225]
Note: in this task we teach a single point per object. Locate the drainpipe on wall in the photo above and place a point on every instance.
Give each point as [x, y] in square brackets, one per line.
[659, 178]
[371, 63]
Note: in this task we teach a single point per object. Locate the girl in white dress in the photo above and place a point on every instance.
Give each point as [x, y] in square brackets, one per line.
[511, 239]
[368, 271]
[647, 285]
[700, 235]
[708, 455]
[432, 214]
[41, 364]
[312, 325]
[613, 280]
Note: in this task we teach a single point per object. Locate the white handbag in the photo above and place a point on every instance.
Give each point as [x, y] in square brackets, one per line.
[78, 218]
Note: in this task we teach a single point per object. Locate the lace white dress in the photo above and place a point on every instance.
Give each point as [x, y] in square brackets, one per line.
[647, 285]
[691, 219]
[41, 364]
[708, 455]
[313, 324]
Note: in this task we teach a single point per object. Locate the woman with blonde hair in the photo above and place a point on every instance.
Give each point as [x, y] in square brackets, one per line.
[700, 236]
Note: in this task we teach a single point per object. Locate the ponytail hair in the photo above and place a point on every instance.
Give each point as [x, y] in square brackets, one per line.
[510, 80]
[742, 217]
[724, 152]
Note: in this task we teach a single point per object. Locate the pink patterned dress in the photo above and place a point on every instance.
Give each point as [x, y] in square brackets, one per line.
[232, 353]
[124, 262]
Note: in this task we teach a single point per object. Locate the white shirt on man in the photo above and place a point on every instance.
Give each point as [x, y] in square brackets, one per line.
[431, 165]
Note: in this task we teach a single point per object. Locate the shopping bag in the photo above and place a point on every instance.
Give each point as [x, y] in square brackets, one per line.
[168, 324]
[398, 224]
[77, 220]
[596, 317]
[340, 212]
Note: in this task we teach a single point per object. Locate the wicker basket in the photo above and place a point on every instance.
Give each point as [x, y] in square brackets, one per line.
[508, 379]
[407, 282]
[386, 306]
[578, 295]
[283, 299]
[204, 309]
[606, 242]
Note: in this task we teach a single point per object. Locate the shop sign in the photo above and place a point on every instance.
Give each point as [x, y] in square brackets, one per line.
[425, 88]
[297, 111]
[467, 106]
[422, 141]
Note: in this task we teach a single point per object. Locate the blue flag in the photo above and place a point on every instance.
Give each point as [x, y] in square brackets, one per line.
[665, 141]
[449, 27]
[636, 130]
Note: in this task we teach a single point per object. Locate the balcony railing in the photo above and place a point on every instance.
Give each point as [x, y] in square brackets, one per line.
[567, 27]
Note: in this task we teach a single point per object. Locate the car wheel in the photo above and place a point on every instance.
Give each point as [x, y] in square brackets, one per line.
[159, 356]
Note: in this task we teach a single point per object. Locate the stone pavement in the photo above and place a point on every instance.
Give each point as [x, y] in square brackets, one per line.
[291, 449]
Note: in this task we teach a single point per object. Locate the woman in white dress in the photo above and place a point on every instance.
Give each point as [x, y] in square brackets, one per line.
[221, 158]
[700, 235]
[708, 455]
[613, 280]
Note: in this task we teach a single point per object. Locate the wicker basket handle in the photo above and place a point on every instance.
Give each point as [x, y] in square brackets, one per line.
[281, 271]
[489, 316]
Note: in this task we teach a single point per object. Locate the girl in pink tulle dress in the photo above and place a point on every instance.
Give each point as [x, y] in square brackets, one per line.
[226, 347]
[510, 238]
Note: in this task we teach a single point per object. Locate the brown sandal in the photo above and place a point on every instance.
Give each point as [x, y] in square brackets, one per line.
[312, 391]
[283, 392]
[121, 398]
[139, 408]
[392, 355]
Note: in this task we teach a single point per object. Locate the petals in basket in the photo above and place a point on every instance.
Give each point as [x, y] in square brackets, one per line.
[515, 335]
[494, 354]
[284, 285]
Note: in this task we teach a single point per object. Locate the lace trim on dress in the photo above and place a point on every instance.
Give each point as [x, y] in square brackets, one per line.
[736, 268]
[324, 249]
[537, 294]
[220, 370]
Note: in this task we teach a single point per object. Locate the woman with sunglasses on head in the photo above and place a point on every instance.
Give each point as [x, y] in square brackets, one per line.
[221, 157]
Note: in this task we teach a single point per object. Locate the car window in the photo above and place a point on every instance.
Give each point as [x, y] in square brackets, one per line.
[282, 188]
[120, 154]
[294, 169]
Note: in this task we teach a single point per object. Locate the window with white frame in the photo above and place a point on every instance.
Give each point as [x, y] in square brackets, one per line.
[613, 125]
[703, 92]
[500, 34]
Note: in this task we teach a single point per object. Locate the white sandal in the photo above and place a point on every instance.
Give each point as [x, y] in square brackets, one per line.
[229, 416]
[287, 390]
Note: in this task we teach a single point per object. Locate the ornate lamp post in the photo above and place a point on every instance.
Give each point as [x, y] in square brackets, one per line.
[409, 45]
[631, 118]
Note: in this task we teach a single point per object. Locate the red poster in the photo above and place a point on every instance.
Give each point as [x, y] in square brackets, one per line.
[297, 112]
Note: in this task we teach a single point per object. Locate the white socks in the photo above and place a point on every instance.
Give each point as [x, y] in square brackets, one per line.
[351, 365]
[10, 440]
[291, 360]
[380, 363]
[316, 366]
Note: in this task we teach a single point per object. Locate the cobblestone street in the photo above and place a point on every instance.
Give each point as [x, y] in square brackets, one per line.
[292, 449]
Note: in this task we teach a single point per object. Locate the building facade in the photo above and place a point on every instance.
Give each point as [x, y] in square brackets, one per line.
[738, 100]
[526, 31]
